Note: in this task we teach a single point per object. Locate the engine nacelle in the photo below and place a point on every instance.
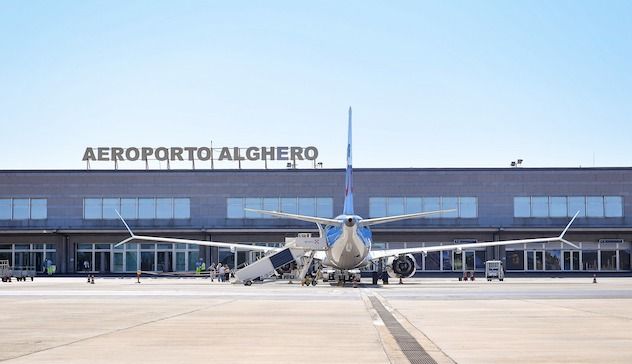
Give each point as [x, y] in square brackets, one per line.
[403, 266]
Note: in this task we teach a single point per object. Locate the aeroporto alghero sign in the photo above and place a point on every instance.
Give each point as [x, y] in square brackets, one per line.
[115, 154]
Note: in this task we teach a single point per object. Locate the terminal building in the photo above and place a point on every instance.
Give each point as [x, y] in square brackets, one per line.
[67, 217]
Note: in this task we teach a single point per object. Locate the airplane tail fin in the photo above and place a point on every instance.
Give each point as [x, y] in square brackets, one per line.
[348, 204]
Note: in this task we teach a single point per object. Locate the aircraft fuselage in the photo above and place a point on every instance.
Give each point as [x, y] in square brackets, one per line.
[348, 244]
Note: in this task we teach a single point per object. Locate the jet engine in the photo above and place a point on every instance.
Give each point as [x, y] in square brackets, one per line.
[403, 266]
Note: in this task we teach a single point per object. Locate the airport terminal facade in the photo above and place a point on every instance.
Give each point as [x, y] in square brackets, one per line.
[66, 217]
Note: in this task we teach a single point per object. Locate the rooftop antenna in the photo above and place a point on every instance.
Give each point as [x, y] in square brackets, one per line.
[212, 163]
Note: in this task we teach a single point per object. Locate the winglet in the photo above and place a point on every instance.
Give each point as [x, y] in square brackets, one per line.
[561, 237]
[568, 226]
[132, 237]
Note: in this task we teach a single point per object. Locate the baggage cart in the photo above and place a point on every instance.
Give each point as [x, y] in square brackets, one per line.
[494, 269]
[22, 273]
[5, 271]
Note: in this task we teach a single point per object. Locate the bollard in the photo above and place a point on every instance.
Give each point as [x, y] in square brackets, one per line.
[401, 281]
[92, 279]
[88, 279]
[594, 278]
[138, 276]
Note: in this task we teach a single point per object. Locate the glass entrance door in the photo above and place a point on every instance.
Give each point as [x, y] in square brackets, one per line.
[457, 261]
[469, 260]
[571, 260]
[102, 262]
[535, 260]
[164, 262]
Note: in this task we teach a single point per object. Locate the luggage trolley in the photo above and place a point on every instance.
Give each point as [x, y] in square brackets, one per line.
[5, 271]
[21, 273]
[494, 269]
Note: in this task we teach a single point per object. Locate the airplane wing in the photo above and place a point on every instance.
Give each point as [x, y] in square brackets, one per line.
[377, 254]
[231, 246]
[383, 220]
[285, 215]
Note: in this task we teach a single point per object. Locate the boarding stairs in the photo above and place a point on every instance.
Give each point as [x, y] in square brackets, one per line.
[295, 250]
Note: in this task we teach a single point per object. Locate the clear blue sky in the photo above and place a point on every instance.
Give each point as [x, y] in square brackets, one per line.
[432, 84]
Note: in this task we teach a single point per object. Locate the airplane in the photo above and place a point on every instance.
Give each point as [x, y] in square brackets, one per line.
[349, 239]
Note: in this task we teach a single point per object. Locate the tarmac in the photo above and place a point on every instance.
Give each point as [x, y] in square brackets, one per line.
[426, 320]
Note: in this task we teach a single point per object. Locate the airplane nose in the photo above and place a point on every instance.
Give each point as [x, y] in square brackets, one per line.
[349, 222]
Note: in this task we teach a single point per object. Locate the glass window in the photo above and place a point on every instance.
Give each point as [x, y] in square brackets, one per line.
[102, 246]
[6, 255]
[450, 203]
[553, 260]
[131, 261]
[110, 206]
[235, 208]
[468, 207]
[270, 204]
[514, 259]
[469, 260]
[457, 261]
[624, 257]
[418, 260]
[21, 209]
[129, 208]
[413, 205]
[480, 257]
[181, 208]
[394, 206]
[5, 209]
[377, 206]
[613, 206]
[84, 261]
[180, 262]
[589, 259]
[118, 262]
[38, 208]
[147, 261]
[164, 208]
[307, 206]
[433, 261]
[522, 207]
[557, 206]
[594, 206]
[577, 203]
[608, 260]
[539, 206]
[92, 208]
[253, 203]
[447, 259]
[289, 205]
[146, 208]
[324, 207]
[432, 204]
[194, 256]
